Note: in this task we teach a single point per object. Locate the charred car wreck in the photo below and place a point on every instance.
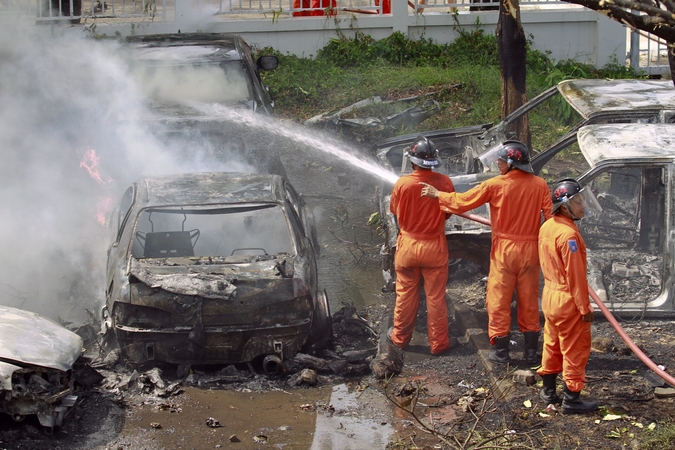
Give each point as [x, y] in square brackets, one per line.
[214, 268]
[201, 90]
[631, 168]
[36, 367]
[625, 176]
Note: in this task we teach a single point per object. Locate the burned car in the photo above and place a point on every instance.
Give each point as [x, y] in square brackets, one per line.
[214, 268]
[597, 101]
[631, 169]
[201, 67]
[203, 93]
[36, 366]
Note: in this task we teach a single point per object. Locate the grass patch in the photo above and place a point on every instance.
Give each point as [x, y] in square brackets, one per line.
[659, 438]
[347, 70]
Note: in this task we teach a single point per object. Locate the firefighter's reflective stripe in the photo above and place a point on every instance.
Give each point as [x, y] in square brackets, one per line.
[517, 201]
[567, 339]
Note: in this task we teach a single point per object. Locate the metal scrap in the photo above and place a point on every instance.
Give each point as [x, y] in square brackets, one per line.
[412, 116]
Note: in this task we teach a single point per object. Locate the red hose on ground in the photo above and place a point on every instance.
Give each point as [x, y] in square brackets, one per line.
[629, 342]
[608, 315]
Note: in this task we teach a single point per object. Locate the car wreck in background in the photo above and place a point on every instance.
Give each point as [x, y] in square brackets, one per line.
[201, 67]
[36, 367]
[214, 268]
[618, 102]
[201, 92]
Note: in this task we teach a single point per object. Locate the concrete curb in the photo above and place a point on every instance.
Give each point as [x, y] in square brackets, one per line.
[468, 324]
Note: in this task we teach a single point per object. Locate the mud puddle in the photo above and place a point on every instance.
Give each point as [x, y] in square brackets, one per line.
[328, 417]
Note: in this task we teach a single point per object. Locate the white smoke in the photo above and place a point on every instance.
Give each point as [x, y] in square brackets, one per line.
[62, 96]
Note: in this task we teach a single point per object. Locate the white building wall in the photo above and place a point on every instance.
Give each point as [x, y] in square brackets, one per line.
[567, 32]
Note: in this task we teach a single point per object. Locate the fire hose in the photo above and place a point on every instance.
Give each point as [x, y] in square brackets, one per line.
[608, 315]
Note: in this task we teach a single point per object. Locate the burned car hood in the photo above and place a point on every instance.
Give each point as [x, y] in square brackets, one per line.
[208, 277]
[28, 338]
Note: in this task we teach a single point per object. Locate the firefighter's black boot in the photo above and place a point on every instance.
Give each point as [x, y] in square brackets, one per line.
[547, 393]
[572, 404]
[531, 346]
[500, 351]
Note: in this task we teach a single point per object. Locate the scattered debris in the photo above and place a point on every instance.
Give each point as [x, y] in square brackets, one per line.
[260, 439]
[667, 392]
[213, 423]
[526, 377]
[306, 376]
[602, 345]
[389, 358]
[411, 116]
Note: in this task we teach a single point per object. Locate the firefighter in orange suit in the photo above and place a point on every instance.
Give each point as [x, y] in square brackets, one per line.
[421, 249]
[517, 199]
[565, 303]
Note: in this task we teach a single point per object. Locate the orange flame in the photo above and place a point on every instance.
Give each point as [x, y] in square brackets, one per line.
[103, 206]
[90, 162]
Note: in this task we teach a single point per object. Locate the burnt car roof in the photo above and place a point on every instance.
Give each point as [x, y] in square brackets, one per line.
[589, 97]
[168, 51]
[627, 142]
[227, 43]
[209, 188]
[28, 338]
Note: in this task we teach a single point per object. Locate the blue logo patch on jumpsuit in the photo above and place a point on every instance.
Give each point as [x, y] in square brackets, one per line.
[573, 245]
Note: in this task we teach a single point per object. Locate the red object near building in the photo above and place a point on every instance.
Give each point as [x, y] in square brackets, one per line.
[386, 6]
[320, 7]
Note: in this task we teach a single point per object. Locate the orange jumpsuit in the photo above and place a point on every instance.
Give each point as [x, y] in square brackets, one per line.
[421, 251]
[517, 200]
[567, 339]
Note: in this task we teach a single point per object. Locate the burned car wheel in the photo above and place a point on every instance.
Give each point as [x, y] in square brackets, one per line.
[322, 324]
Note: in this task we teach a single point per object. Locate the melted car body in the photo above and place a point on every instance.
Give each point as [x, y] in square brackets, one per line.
[214, 268]
[36, 366]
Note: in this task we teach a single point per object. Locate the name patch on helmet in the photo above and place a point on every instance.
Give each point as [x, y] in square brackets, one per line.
[573, 245]
[429, 163]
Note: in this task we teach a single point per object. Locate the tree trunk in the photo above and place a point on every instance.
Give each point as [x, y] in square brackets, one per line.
[512, 57]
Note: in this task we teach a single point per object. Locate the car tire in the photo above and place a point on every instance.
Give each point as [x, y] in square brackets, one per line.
[322, 323]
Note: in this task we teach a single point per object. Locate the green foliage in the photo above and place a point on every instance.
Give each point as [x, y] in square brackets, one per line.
[349, 69]
[473, 46]
[662, 436]
[346, 52]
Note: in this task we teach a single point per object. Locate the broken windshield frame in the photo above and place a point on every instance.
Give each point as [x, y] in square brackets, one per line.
[226, 82]
[212, 231]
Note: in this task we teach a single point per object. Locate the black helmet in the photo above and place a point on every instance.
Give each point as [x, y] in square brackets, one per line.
[423, 153]
[516, 154]
[563, 191]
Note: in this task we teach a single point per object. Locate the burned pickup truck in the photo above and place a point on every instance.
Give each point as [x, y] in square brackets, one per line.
[619, 102]
[214, 268]
[36, 367]
[631, 169]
